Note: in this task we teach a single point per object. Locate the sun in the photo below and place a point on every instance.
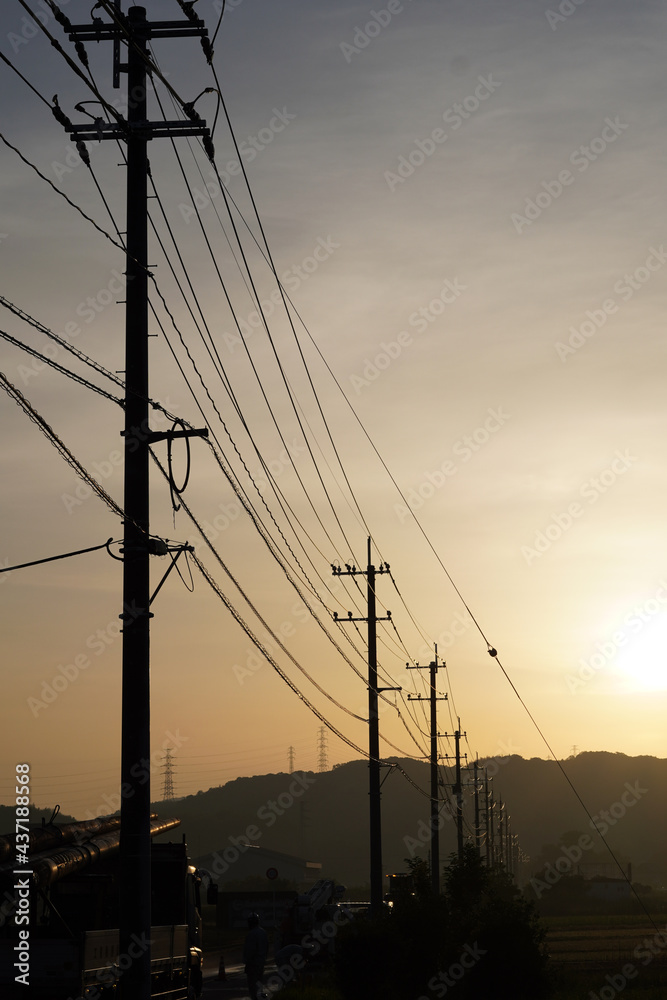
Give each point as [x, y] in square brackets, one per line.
[642, 662]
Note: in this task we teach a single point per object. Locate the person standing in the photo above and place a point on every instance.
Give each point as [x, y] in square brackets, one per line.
[255, 950]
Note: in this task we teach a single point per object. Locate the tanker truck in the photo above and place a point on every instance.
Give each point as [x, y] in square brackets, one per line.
[62, 917]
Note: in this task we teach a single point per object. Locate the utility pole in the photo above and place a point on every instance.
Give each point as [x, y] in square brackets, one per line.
[509, 836]
[458, 789]
[435, 792]
[374, 762]
[508, 864]
[501, 854]
[486, 817]
[290, 757]
[491, 849]
[478, 832]
[135, 842]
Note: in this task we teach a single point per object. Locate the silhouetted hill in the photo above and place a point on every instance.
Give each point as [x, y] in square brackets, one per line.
[324, 816]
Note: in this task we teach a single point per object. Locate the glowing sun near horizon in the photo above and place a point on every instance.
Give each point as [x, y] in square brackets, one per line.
[642, 663]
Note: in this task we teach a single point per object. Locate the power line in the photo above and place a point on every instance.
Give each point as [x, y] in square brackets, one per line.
[51, 435]
[65, 555]
[58, 367]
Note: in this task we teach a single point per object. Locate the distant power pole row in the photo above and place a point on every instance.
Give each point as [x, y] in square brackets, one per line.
[498, 840]
[435, 791]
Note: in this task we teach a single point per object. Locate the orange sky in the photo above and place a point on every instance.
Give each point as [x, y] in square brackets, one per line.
[466, 211]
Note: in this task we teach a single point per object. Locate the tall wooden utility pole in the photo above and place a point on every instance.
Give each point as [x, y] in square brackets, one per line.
[135, 851]
[486, 818]
[508, 850]
[458, 790]
[501, 850]
[435, 790]
[478, 831]
[374, 762]
[490, 805]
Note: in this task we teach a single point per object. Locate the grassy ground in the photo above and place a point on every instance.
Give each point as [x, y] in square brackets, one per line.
[589, 954]
[311, 991]
[612, 954]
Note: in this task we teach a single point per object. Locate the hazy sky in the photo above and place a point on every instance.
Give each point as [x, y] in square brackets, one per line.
[464, 201]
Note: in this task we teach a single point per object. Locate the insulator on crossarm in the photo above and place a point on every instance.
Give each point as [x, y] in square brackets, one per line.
[208, 50]
[59, 114]
[82, 150]
[209, 147]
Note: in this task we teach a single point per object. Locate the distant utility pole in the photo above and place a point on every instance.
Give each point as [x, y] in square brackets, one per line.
[458, 789]
[478, 831]
[435, 791]
[290, 754]
[501, 853]
[168, 768]
[490, 807]
[374, 762]
[322, 749]
[486, 818]
[508, 840]
[135, 844]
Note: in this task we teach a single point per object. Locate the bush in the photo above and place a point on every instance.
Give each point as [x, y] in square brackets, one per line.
[480, 938]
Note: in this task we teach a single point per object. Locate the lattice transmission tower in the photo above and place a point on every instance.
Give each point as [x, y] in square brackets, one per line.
[168, 769]
[322, 761]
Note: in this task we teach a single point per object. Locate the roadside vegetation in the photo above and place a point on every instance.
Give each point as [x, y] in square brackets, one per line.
[480, 937]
